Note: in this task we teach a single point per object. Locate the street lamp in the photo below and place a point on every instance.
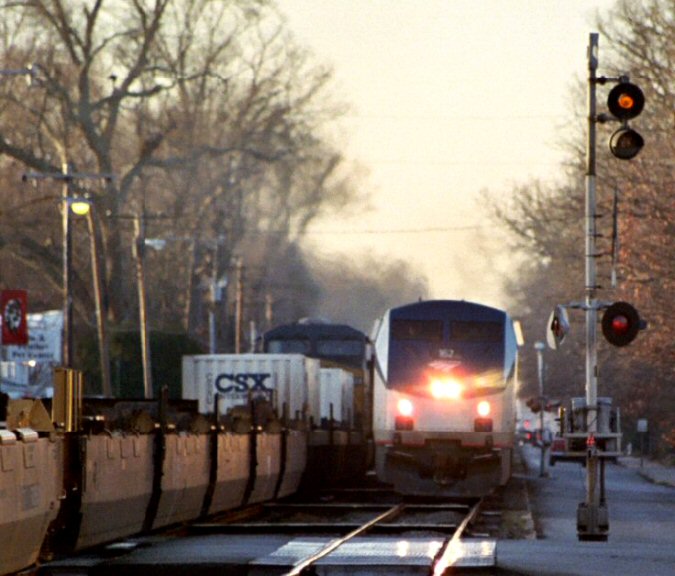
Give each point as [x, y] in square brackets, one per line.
[66, 176]
[84, 207]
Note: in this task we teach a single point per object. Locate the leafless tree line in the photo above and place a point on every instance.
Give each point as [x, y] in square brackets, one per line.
[545, 224]
[212, 121]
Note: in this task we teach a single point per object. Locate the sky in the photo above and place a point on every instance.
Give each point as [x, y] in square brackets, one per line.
[447, 98]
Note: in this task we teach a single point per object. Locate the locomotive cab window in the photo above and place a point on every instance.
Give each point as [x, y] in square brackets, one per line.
[297, 346]
[334, 347]
[431, 330]
[476, 331]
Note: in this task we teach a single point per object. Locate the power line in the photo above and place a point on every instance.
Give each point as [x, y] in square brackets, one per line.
[395, 230]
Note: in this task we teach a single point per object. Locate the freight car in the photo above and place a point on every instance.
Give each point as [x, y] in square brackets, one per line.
[299, 392]
[96, 470]
[443, 405]
[336, 454]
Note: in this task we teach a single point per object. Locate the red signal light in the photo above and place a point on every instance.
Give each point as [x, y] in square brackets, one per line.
[626, 101]
[621, 324]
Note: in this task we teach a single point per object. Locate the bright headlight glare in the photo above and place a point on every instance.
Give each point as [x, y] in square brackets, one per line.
[446, 388]
[483, 408]
[405, 407]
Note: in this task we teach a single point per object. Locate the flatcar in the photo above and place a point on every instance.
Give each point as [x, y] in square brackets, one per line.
[443, 397]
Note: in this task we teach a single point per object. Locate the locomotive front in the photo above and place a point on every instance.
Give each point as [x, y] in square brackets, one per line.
[444, 397]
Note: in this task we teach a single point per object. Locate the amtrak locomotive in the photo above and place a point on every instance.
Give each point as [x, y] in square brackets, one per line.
[443, 397]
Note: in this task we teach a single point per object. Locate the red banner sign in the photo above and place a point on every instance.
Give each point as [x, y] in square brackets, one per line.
[14, 306]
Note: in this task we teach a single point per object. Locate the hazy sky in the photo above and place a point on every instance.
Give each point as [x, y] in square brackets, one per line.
[448, 97]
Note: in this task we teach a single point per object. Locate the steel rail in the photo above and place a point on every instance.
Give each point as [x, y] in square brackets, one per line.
[449, 553]
[326, 550]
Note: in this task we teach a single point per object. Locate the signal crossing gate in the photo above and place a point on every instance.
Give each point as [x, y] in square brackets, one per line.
[621, 322]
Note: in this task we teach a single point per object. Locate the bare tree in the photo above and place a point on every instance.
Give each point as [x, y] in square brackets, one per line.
[206, 112]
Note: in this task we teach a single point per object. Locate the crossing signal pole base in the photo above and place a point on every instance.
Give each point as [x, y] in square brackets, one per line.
[592, 522]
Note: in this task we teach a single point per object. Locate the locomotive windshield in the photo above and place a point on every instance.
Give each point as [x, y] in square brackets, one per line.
[336, 343]
[457, 339]
[328, 348]
[289, 346]
[431, 330]
[477, 331]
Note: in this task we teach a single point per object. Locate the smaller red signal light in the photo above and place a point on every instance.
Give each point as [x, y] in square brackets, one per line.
[620, 324]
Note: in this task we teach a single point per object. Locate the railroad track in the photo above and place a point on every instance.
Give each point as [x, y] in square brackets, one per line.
[361, 532]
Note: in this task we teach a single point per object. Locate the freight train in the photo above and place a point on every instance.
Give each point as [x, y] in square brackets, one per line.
[443, 397]
[79, 472]
[340, 351]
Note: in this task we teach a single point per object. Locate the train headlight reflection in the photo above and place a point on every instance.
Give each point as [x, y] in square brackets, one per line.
[446, 389]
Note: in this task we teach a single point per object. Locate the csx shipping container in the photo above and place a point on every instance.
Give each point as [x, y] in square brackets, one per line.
[283, 380]
[335, 397]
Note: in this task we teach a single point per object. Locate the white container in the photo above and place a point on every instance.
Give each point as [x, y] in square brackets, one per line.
[336, 387]
[283, 379]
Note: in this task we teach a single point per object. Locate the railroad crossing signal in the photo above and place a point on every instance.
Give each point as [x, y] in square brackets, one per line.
[625, 101]
[621, 324]
[558, 327]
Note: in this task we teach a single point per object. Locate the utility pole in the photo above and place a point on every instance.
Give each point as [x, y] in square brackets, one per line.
[269, 302]
[216, 290]
[539, 347]
[239, 305]
[139, 255]
[215, 298]
[67, 177]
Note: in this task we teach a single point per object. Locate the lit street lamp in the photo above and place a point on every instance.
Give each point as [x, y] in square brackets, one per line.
[84, 207]
[66, 176]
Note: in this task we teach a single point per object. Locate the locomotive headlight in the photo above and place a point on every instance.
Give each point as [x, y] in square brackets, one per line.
[483, 408]
[405, 407]
[446, 389]
[404, 419]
